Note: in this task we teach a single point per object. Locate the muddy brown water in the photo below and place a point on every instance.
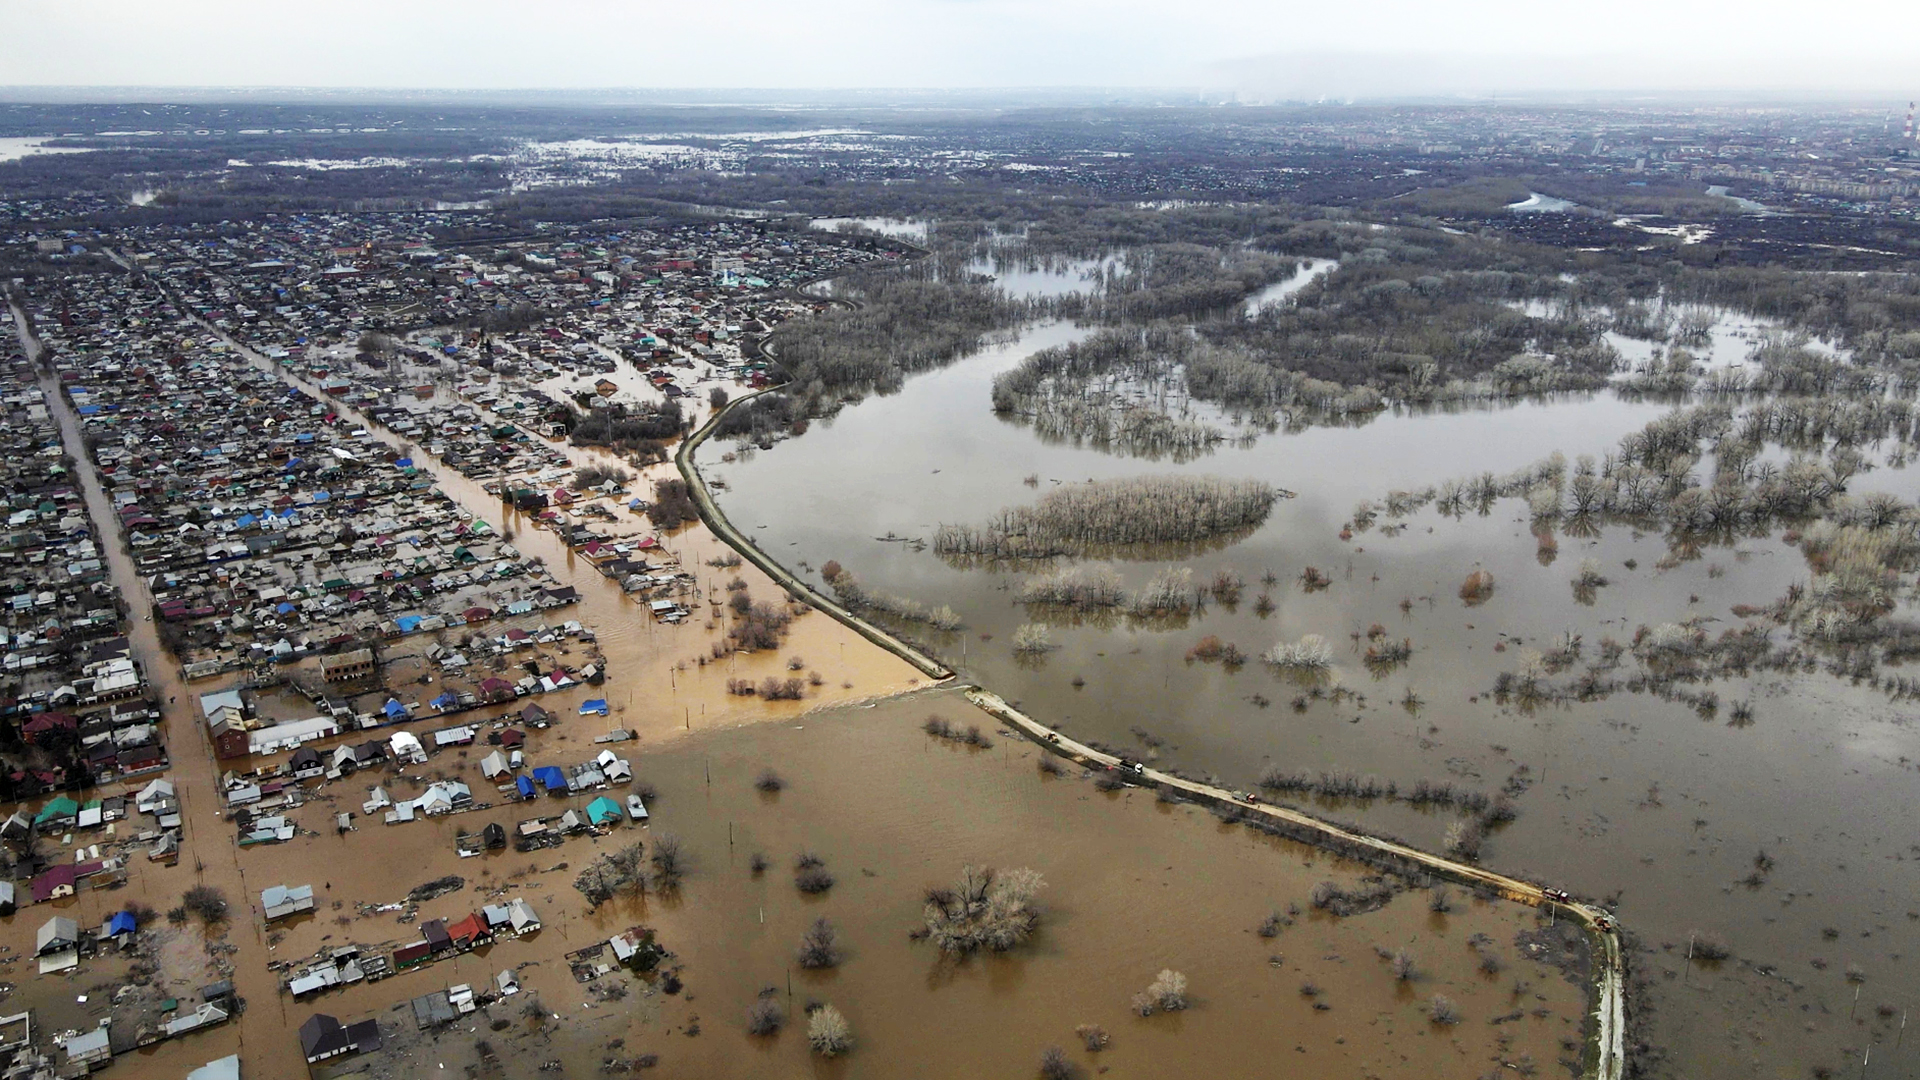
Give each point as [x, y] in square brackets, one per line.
[1632, 799]
[1133, 887]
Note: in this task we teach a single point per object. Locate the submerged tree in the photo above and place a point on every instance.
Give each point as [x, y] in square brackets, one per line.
[983, 910]
[828, 1032]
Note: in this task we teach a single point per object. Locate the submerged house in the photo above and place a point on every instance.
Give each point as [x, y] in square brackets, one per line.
[283, 901]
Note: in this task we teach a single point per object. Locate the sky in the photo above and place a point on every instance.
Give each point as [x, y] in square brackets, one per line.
[1260, 49]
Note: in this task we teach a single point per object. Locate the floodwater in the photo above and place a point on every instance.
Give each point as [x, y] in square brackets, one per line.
[1632, 799]
[1536, 203]
[912, 230]
[1132, 887]
[13, 149]
[1310, 270]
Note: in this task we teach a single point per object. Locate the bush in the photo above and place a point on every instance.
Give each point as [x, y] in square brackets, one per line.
[1092, 1036]
[810, 874]
[1710, 946]
[765, 1016]
[775, 688]
[1310, 653]
[1167, 993]
[1032, 638]
[768, 781]
[1403, 969]
[1053, 1064]
[1442, 1010]
[828, 1032]
[1477, 589]
[819, 946]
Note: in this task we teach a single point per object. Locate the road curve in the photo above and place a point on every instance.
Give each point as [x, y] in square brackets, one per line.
[716, 520]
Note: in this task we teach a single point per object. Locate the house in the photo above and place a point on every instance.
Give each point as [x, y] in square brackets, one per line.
[444, 797]
[306, 763]
[469, 932]
[88, 1049]
[7, 901]
[435, 931]
[283, 901]
[54, 883]
[494, 835]
[407, 749]
[603, 810]
[60, 813]
[226, 1068]
[494, 765]
[411, 954]
[154, 797]
[56, 935]
[615, 769]
[552, 779]
[206, 1014]
[521, 915]
[430, 1010]
[346, 666]
[323, 1037]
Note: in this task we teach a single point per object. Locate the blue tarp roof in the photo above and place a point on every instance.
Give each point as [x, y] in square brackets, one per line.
[445, 700]
[121, 923]
[408, 623]
[596, 705]
[524, 786]
[393, 709]
[404, 463]
[283, 607]
[551, 777]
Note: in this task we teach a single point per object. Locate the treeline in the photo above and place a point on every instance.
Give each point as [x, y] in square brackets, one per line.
[1114, 515]
[904, 322]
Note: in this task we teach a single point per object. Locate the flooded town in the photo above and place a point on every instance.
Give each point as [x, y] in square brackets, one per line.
[1136, 587]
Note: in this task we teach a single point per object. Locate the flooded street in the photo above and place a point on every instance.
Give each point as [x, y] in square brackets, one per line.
[1632, 798]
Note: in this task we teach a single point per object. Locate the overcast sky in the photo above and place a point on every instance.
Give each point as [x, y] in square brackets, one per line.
[1288, 48]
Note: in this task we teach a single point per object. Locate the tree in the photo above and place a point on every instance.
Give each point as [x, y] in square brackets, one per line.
[828, 1032]
[819, 946]
[983, 910]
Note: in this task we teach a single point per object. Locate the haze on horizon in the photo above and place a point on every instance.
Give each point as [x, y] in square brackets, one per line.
[1259, 49]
